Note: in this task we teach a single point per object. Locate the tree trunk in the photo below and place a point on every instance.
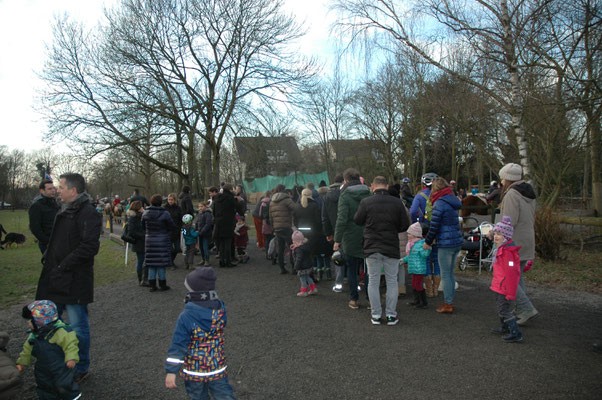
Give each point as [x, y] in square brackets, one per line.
[179, 156]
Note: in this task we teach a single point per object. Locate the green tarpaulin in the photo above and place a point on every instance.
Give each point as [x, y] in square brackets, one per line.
[269, 182]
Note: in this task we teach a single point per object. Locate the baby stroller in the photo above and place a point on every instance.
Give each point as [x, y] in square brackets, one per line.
[477, 248]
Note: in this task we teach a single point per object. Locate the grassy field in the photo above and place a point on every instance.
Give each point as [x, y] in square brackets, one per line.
[20, 268]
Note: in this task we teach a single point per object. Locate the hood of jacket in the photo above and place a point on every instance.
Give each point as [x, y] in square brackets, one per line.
[322, 190]
[280, 196]
[525, 189]
[357, 191]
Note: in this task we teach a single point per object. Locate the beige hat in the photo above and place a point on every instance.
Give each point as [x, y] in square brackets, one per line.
[511, 172]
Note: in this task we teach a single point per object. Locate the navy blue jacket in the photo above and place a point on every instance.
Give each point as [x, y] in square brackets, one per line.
[204, 223]
[158, 225]
[445, 226]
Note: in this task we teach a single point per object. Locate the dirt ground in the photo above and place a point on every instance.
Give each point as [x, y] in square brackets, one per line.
[280, 346]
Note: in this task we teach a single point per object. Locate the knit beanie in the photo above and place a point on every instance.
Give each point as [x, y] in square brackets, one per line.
[504, 228]
[43, 312]
[511, 172]
[415, 229]
[202, 279]
[298, 238]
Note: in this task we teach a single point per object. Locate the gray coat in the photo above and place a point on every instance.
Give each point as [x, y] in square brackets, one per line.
[519, 204]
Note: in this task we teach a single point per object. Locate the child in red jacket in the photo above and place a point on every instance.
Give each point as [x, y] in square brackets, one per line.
[241, 239]
[506, 274]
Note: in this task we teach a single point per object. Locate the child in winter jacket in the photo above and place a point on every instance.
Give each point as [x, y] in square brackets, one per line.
[10, 381]
[204, 226]
[190, 235]
[197, 347]
[241, 239]
[506, 275]
[416, 259]
[55, 347]
[303, 264]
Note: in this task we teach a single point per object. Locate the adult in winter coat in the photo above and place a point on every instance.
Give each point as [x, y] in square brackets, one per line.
[176, 214]
[348, 234]
[68, 264]
[204, 226]
[518, 202]
[445, 228]
[266, 227]
[307, 219]
[282, 208]
[159, 225]
[258, 223]
[226, 206]
[136, 196]
[42, 213]
[383, 217]
[329, 223]
[136, 231]
[185, 201]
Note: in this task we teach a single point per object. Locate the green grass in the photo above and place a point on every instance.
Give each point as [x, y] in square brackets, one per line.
[579, 271]
[20, 268]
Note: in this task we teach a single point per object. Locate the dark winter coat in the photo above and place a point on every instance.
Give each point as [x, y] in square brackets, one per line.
[282, 208]
[176, 216]
[445, 226]
[329, 209]
[68, 264]
[185, 203]
[140, 198]
[226, 207]
[10, 379]
[308, 221]
[383, 217]
[136, 231]
[347, 232]
[264, 214]
[41, 217]
[303, 257]
[204, 223]
[158, 225]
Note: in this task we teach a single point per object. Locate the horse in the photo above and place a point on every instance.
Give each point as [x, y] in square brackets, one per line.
[118, 212]
[478, 200]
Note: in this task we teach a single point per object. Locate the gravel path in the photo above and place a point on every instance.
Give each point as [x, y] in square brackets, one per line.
[280, 346]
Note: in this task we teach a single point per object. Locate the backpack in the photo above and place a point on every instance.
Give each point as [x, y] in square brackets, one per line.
[126, 236]
[428, 212]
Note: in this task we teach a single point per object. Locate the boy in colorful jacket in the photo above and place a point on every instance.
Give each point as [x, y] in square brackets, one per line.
[55, 347]
[506, 275]
[197, 347]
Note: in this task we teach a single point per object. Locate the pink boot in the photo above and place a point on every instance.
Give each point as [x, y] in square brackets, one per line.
[303, 292]
[313, 289]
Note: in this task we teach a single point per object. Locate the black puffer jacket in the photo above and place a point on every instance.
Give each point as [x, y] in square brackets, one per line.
[136, 230]
[308, 221]
[176, 216]
[158, 225]
[224, 212]
[41, 217]
[329, 209]
[185, 203]
[383, 217]
[68, 272]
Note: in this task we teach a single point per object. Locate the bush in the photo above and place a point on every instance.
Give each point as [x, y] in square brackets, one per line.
[548, 235]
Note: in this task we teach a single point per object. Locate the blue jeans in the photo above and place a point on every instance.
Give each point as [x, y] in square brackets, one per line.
[220, 390]
[154, 271]
[447, 262]
[140, 261]
[322, 262]
[306, 281]
[352, 267]
[77, 315]
[204, 246]
[375, 263]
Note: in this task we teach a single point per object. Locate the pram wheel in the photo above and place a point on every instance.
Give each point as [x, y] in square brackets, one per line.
[463, 263]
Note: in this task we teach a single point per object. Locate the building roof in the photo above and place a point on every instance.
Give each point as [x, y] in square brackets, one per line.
[272, 149]
[355, 148]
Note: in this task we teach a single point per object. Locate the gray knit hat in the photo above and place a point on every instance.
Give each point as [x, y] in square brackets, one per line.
[511, 172]
[202, 279]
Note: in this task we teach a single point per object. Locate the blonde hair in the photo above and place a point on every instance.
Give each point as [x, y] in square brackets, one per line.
[438, 184]
[173, 196]
[305, 194]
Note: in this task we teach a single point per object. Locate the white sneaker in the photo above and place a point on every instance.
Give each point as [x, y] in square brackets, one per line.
[526, 316]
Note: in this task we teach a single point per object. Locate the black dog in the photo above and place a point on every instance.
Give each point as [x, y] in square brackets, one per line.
[11, 238]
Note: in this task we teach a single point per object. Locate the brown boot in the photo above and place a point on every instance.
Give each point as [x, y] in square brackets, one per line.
[428, 283]
[436, 282]
[445, 308]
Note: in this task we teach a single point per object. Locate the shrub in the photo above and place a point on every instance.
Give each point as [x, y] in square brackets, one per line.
[548, 235]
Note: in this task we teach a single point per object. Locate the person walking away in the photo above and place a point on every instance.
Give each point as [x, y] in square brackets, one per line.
[67, 276]
[241, 239]
[42, 213]
[226, 207]
[416, 257]
[307, 219]
[281, 212]
[54, 344]
[158, 225]
[266, 227]
[136, 196]
[176, 214]
[445, 228]
[383, 217]
[137, 233]
[258, 224]
[348, 234]
[406, 192]
[329, 223]
[506, 275]
[204, 226]
[518, 202]
[494, 194]
[197, 346]
[190, 239]
[185, 201]
[403, 240]
[303, 263]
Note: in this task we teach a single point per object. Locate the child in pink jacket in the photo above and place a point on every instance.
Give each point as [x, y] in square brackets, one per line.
[506, 275]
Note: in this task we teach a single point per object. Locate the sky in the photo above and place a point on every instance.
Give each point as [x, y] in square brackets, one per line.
[25, 28]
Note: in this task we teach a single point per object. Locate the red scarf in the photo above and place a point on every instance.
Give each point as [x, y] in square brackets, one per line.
[435, 196]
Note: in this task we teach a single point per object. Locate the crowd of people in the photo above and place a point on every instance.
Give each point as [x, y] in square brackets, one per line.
[362, 232]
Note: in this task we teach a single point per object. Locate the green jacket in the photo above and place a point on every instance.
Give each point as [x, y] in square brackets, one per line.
[347, 232]
[64, 336]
